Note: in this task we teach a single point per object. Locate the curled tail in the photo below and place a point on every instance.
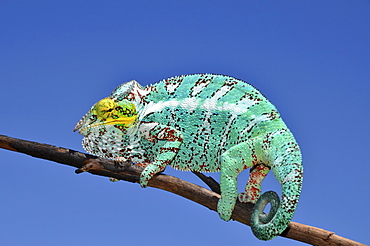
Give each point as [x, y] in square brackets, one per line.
[286, 163]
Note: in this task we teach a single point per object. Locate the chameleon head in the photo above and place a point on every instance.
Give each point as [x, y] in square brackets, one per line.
[106, 112]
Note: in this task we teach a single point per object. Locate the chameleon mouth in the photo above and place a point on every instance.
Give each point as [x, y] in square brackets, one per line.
[126, 121]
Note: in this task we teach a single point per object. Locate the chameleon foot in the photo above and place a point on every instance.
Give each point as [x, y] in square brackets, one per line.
[244, 198]
[224, 210]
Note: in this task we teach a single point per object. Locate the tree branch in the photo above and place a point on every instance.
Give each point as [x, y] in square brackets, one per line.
[212, 184]
[131, 173]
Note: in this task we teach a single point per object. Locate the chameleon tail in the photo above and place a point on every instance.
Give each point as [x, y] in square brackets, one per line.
[287, 167]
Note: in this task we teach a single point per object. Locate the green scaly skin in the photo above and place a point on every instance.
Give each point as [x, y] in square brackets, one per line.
[205, 123]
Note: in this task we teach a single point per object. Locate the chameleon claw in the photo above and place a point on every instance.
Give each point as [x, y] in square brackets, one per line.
[244, 198]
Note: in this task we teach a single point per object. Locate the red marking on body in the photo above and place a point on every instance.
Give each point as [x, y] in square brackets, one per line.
[253, 193]
[204, 167]
[169, 135]
[143, 165]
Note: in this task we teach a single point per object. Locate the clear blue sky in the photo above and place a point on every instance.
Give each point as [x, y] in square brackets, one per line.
[57, 58]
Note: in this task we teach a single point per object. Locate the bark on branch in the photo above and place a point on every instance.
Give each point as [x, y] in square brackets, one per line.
[127, 172]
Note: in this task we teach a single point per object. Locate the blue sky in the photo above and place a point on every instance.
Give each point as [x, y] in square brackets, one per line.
[57, 58]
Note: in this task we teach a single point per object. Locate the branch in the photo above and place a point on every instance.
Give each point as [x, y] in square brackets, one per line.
[131, 173]
[215, 187]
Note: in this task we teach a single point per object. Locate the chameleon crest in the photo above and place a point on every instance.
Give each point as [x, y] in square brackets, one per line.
[205, 123]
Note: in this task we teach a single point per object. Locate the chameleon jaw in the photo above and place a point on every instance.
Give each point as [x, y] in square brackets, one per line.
[79, 125]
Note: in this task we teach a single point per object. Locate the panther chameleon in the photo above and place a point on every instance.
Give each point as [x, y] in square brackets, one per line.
[204, 123]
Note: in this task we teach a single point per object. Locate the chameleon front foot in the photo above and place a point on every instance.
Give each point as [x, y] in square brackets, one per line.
[143, 182]
[149, 171]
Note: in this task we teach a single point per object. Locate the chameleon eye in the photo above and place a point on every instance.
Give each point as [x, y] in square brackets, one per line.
[105, 107]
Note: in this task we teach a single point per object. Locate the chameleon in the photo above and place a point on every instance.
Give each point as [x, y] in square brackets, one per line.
[203, 123]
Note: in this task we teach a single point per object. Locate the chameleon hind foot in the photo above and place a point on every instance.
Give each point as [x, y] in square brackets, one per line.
[253, 188]
[244, 198]
[224, 209]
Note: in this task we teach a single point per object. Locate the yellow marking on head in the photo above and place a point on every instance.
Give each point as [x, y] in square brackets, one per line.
[110, 112]
[127, 121]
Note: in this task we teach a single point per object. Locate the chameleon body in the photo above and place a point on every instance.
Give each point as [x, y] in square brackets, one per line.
[205, 123]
